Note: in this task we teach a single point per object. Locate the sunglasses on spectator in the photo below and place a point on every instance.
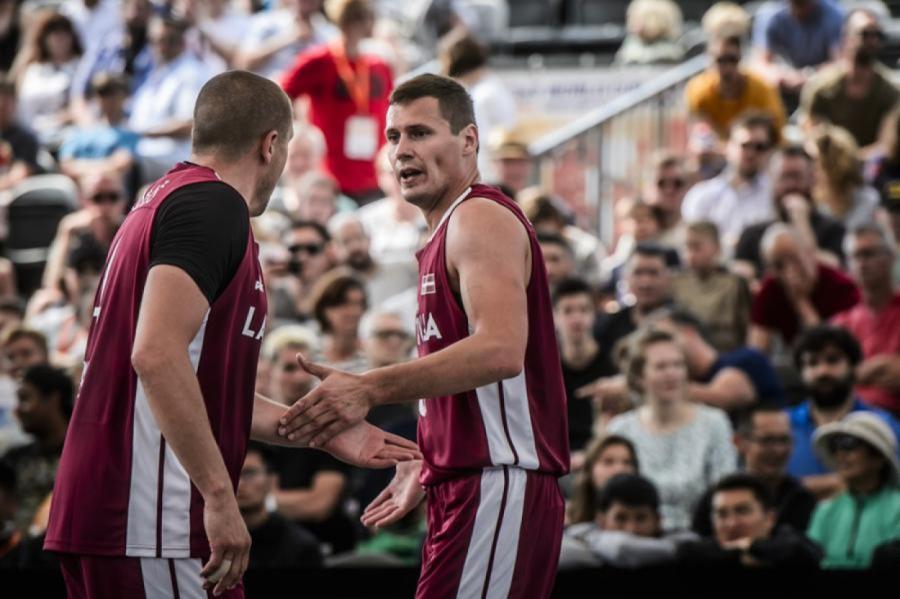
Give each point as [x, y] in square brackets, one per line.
[728, 59]
[386, 334]
[673, 183]
[845, 443]
[313, 249]
[758, 146]
[106, 197]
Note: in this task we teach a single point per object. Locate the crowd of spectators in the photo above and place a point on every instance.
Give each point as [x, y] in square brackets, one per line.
[731, 361]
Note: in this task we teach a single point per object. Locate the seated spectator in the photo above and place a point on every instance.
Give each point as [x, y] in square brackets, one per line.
[395, 227]
[18, 145]
[792, 199]
[742, 195]
[547, 214]
[856, 93]
[604, 458]
[799, 292]
[277, 542]
[309, 257]
[348, 92]
[387, 339]
[654, 29]
[731, 381]
[10, 33]
[706, 159]
[875, 321]
[315, 197]
[744, 524]
[706, 289]
[582, 361]
[559, 259]
[826, 358]
[512, 163]
[725, 90]
[683, 447]
[625, 532]
[862, 449]
[218, 28]
[107, 145]
[764, 443]
[163, 107]
[464, 58]
[839, 191]
[795, 39]
[93, 19]
[46, 399]
[351, 249]
[10, 536]
[22, 348]
[43, 71]
[276, 37]
[665, 192]
[288, 381]
[337, 302]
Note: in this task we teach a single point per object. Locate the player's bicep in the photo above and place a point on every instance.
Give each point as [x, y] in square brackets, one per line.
[172, 311]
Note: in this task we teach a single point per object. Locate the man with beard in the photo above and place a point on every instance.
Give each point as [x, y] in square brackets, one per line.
[792, 180]
[826, 358]
[857, 92]
[351, 248]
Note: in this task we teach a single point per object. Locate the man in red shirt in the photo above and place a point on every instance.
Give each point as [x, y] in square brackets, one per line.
[875, 321]
[348, 93]
[799, 292]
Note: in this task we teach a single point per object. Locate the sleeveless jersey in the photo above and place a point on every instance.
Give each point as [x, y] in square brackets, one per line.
[517, 422]
[120, 489]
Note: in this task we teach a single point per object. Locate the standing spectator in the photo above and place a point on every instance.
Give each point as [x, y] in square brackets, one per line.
[219, 27]
[707, 290]
[742, 195]
[18, 145]
[43, 70]
[683, 447]
[351, 249]
[603, 459]
[106, 145]
[277, 36]
[163, 108]
[277, 542]
[665, 192]
[582, 361]
[792, 198]
[465, 59]
[795, 39]
[45, 406]
[800, 292]
[512, 164]
[348, 92]
[856, 93]
[826, 358]
[764, 441]
[337, 303]
[654, 29]
[875, 321]
[840, 191]
[743, 520]
[288, 382]
[850, 527]
[725, 91]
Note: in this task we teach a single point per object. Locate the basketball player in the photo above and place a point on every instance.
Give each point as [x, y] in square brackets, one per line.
[146, 482]
[492, 428]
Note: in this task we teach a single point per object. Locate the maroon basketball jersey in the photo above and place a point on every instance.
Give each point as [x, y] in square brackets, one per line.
[120, 489]
[519, 421]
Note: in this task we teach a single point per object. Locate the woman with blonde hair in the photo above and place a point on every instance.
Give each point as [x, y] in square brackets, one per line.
[840, 191]
[654, 31]
[683, 447]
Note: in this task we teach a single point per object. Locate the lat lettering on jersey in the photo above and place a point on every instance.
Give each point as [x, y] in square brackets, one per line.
[428, 285]
[248, 326]
[426, 328]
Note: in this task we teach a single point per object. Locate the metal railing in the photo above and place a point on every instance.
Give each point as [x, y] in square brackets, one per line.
[603, 156]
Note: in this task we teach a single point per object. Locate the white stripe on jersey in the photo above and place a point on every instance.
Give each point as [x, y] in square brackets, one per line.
[144, 489]
[475, 573]
[518, 422]
[190, 585]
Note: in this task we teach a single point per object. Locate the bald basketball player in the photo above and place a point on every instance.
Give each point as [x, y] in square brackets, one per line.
[492, 426]
[146, 486]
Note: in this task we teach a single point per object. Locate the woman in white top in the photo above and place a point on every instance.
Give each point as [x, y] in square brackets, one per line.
[43, 71]
[840, 191]
[683, 447]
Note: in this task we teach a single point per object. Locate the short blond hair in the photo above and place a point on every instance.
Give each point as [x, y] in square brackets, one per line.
[726, 20]
[654, 20]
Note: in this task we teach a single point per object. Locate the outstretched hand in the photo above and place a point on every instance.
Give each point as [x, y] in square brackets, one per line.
[401, 496]
[368, 446]
[340, 401]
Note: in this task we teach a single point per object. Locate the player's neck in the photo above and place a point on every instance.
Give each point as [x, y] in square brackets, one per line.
[435, 214]
[236, 175]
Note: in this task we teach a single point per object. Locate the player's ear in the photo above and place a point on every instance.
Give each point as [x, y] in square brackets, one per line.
[267, 147]
[470, 139]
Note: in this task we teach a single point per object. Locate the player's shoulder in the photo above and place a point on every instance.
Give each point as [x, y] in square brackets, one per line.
[484, 213]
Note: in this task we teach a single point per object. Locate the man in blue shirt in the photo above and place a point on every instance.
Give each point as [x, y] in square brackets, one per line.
[826, 357]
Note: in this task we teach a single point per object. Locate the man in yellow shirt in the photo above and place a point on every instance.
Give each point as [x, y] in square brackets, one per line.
[724, 91]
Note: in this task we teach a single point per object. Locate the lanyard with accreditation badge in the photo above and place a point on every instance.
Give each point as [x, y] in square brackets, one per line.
[360, 130]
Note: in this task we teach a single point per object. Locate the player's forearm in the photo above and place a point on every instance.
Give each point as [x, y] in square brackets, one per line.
[176, 401]
[474, 362]
[264, 426]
